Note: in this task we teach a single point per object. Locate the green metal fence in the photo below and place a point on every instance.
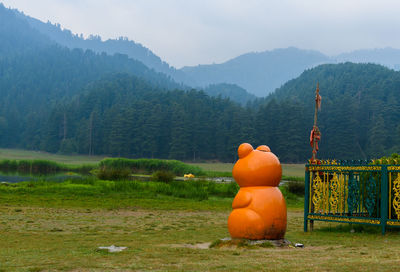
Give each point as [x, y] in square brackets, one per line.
[352, 192]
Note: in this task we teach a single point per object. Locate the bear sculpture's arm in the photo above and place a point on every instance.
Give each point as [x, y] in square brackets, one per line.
[242, 200]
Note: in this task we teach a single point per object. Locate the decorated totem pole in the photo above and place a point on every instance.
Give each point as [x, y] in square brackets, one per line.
[315, 135]
[259, 209]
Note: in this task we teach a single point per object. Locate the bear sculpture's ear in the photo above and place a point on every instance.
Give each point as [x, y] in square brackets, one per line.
[244, 150]
[264, 148]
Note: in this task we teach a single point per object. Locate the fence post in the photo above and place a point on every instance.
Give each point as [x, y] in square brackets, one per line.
[384, 198]
[306, 197]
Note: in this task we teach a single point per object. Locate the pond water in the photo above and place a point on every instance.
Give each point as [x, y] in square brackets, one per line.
[60, 177]
[13, 179]
[215, 179]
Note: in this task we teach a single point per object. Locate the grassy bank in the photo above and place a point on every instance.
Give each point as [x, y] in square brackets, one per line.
[289, 171]
[127, 189]
[18, 154]
[47, 228]
[211, 169]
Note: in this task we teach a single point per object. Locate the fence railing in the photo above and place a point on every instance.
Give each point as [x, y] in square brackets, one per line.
[352, 192]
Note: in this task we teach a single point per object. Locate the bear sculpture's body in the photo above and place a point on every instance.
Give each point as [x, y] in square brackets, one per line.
[259, 209]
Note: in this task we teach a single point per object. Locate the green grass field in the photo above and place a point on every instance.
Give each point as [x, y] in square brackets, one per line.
[61, 230]
[47, 226]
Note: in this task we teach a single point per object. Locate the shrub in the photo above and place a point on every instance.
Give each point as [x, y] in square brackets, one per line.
[289, 197]
[8, 165]
[44, 167]
[24, 166]
[163, 176]
[222, 189]
[148, 166]
[296, 187]
[113, 173]
[393, 159]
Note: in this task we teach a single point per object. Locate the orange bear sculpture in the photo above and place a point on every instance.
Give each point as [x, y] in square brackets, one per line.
[259, 208]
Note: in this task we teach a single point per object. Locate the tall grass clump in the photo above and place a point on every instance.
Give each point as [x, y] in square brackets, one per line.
[31, 166]
[40, 167]
[163, 176]
[113, 173]
[8, 165]
[296, 187]
[149, 166]
[291, 198]
[222, 189]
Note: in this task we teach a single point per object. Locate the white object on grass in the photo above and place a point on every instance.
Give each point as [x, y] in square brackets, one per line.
[113, 248]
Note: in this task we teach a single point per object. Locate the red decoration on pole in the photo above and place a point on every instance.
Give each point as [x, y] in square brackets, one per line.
[318, 99]
[315, 135]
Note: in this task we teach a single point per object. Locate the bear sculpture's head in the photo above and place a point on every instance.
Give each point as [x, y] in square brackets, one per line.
[257, 167]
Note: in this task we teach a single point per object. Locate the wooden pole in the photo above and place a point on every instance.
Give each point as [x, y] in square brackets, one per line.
[314, 153]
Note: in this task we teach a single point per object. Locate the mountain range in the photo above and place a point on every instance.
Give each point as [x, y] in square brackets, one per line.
[261, 73]
[258, 73]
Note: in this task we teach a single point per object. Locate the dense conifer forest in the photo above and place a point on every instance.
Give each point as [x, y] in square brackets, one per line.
[58, 99]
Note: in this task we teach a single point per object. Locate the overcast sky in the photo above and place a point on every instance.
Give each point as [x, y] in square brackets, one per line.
[191, 32]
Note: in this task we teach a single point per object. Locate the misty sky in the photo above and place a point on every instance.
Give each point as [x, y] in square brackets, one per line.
[191, 32]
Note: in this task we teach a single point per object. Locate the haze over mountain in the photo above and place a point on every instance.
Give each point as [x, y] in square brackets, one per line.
[261, 73]
[388, 57]
[53, 33]
[258, 73]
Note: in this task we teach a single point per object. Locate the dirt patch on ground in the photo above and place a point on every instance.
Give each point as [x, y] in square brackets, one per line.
[197, 246]
[228, 243]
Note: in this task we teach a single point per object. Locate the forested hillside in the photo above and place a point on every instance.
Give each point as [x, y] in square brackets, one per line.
[231, 91]
[30, 83]
[21, 32]
[122, 45]
[360, 116]
[16, 36]
[36, 74]
[125, 116]
[74, 101]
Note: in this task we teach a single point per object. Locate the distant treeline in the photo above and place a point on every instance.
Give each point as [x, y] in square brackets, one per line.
[122, 115]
